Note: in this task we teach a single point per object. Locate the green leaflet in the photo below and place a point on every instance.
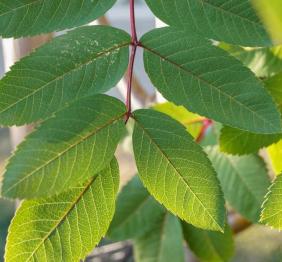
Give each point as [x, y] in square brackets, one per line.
[66, 149]
[234, 21]
[88, 60]
[137, 212]
[244, 181]
[235, 141]
[65, 227]
[189, 71]
[264, 62]
[32, 17]
[208, 245]
[163, 244]
[176, 171]
[272, 207]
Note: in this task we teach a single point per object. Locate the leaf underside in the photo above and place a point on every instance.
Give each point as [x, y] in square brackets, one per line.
[65, 227]
[190, 71]
[244, 181]
[272, 207]
[176, 171]
[233, 21]
[137, 212]
[86, 61]
[33, 17]
[66, 149]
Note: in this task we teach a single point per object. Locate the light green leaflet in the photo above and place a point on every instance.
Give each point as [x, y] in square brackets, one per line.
[235, 141]
[264, 62]
[272, 207]
[65, 227]
[233, 21]
[271, 13]
[163, 244]
[176, 171]
[190, 71]
[30, 17]
[244, 181]
[66, 149]
[137, 212]
[86, 61]
[209, 246]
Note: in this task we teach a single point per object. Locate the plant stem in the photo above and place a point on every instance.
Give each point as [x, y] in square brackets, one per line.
[134, 45]
[206, 124]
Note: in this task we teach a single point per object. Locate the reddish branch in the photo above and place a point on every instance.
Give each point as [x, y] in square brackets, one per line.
[134, 45]
[206, 124]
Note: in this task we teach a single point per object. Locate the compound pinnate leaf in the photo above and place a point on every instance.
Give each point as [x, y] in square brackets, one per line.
[209, 245]
[190, 71]
[176, 171]
[31, 17]
[137, 212]
[65, 227]
[244, 181]
[66, 149]
[233, 22]
[272, 207]
[88, 60]
[163, 244]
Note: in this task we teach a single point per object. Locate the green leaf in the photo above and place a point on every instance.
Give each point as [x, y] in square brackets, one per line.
[32, 17]
[65, 227]
[86, 61]
[275, 153]
[176, 171]
[264, 62]
[238, 142]
[190, 71]
[163, 244]
[271, 13]
[234, 22]
[209, 245]
[235, 141]
[66, 149]
[191, 121]
[272, 207]
[244, 181]
[137, 212]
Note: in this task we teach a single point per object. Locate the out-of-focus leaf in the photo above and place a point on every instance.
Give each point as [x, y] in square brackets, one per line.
[264, 62]
[244, 181]
[163, 244]
[271, 13]
[137, 212]
[275, 155]
[209, 246]
[191, 121]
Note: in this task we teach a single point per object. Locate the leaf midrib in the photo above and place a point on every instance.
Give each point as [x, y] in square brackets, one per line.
[80, 196]
[104, 52]
[94, 132]
[180, 176]
[206, 82]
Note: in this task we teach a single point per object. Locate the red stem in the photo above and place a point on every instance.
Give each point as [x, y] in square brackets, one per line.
[206, 124]
[134, 45]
